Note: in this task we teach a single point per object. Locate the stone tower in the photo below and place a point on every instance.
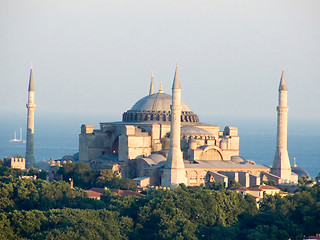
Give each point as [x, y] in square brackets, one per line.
[174, 172]
[281, 163]
[30, 123]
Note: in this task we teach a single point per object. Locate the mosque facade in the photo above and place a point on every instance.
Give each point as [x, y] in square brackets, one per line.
[161, 142]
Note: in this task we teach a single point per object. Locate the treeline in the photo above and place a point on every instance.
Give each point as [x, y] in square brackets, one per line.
[80, 173]
[35, 209]
[27, 212]
[199, 213]
[86, 178]
[27, 194]
[65, 224]
[7, 174]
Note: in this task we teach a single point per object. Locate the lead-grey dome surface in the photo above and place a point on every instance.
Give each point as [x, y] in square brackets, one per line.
[300, 171]
[156, 102]
[157, 107]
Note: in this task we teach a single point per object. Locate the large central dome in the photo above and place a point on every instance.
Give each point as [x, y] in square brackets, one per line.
[156, 102]
[156, 107]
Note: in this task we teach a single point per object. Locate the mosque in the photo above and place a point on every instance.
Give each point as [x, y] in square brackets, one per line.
[161, 142]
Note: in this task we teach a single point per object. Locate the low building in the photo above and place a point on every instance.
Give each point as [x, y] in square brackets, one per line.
[142, 181]
[54, 166]
[258, 192]
[15, 162]
[316, 237]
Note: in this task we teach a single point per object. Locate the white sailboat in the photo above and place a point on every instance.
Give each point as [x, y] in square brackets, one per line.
[18, 140]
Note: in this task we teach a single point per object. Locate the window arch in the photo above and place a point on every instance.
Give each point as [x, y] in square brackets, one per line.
[193, 177]
[203, 177]
[115, 146]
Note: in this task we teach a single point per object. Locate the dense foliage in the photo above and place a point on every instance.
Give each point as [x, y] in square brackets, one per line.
[64, 224]
[9, 174]
[27, 194]
[86, 178]
[36, 209]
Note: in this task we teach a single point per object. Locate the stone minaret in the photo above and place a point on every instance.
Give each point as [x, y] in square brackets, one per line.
[151, 85]
[281, 163]
[30, 123]
[174, 172]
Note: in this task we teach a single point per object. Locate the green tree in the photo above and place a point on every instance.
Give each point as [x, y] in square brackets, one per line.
[6, 231]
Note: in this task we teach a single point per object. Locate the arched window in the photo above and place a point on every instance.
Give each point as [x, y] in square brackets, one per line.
[115, 146]
[193, 177]
[203, 176]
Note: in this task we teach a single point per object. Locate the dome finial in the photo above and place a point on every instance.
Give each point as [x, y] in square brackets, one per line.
[294, 162]
[160, 90]
[151, 91]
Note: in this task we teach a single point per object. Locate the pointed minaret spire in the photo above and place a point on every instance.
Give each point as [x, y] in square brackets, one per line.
[30, 160]
[160, 90]
[151, 85]
[281, 163]
[282, 85]
[176, 80]
[31, 88]
[174, 171]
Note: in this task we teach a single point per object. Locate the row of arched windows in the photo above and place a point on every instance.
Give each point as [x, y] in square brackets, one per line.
[158, 116]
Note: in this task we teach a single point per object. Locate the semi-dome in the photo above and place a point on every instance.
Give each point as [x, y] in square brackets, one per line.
[156, 107]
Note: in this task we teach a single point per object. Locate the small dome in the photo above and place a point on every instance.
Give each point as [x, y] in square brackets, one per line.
[300, 171]
[156, 102]
[237, 159]
[247, 162]
[192, 130]
[156, 158]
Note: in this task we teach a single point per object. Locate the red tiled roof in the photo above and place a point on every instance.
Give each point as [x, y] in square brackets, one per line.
[262, 187]
[254, 188]
[93, 194]
[99, 190]
[239, 189]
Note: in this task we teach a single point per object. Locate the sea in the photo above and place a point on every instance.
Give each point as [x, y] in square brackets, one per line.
[58, 135]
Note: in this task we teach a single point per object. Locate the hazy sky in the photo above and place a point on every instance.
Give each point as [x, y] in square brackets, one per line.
[97, 56]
